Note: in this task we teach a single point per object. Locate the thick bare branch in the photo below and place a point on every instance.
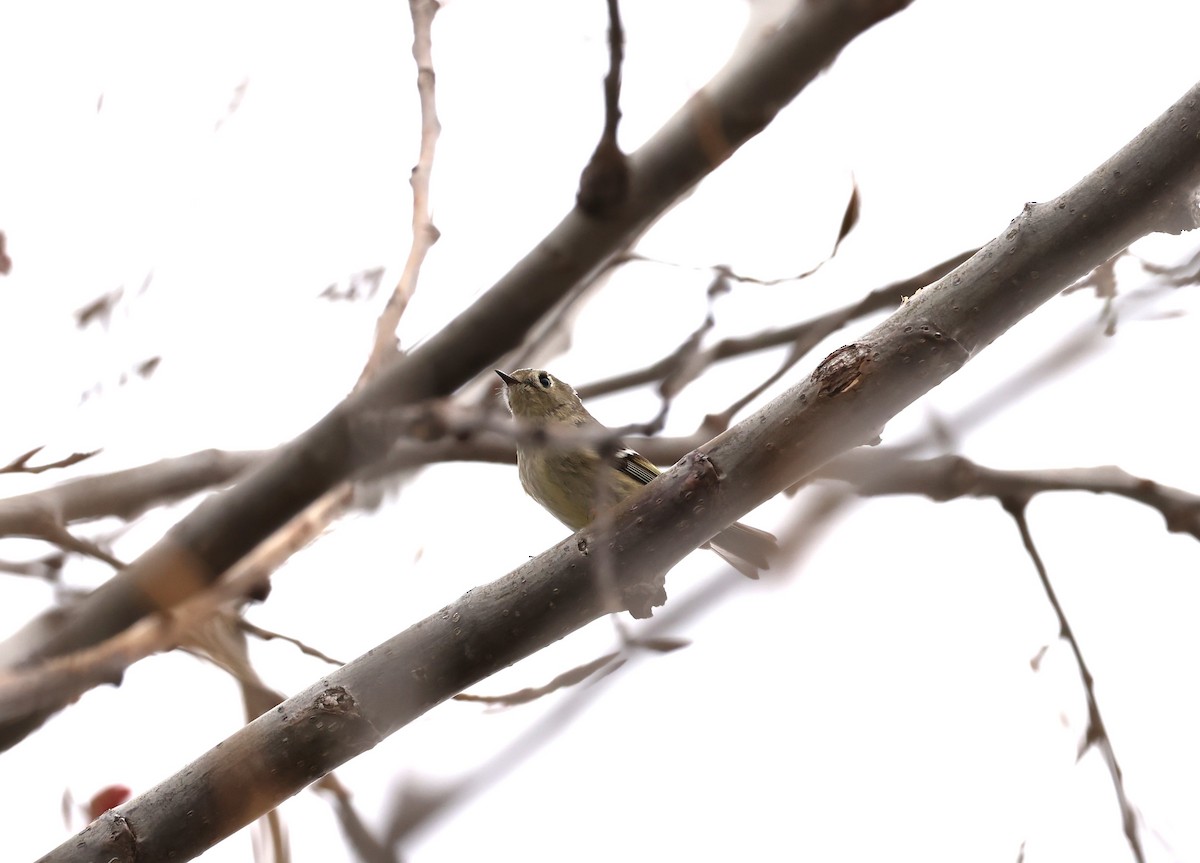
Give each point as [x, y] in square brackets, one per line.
[845, 402]
[771, 67]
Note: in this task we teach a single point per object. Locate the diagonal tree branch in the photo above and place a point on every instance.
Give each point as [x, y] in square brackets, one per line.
[845, 402]
[771, 67]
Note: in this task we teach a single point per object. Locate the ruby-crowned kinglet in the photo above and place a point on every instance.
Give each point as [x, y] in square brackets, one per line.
[567, 481]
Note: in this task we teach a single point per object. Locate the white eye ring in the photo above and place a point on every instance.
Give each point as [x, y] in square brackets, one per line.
[545, 380]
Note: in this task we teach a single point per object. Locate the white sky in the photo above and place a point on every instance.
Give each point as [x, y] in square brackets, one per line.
[876, 703]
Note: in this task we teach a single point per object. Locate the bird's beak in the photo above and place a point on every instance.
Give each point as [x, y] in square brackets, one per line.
[509, 380]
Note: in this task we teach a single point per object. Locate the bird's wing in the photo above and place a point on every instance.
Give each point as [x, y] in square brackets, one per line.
[636, 465]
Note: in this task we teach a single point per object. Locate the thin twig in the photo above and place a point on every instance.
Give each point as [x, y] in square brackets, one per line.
[424, 233]
[804, 335]
[21, 463]
[1096, 734]
[885, 471]
[48, 568]
[604, 183]
[58, 535]
[268, 635]
[607, 663]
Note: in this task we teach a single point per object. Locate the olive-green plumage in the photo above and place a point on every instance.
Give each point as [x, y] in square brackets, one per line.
[567, 481]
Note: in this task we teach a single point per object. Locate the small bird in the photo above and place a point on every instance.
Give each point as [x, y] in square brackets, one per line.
[564, 481]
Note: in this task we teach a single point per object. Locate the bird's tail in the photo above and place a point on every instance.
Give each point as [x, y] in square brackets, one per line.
[747, 549]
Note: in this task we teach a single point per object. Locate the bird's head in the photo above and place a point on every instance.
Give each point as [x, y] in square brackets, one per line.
[536, 396]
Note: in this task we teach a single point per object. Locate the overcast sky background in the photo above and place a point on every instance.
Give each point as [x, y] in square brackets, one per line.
[222, 165]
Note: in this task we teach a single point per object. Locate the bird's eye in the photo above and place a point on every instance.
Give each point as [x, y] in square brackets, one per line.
[544, 380]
